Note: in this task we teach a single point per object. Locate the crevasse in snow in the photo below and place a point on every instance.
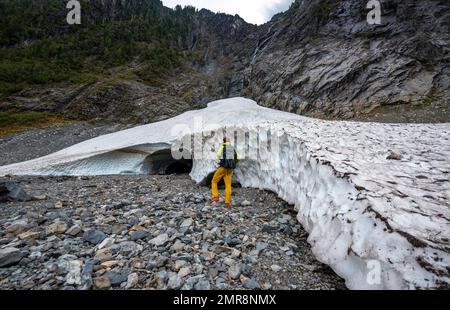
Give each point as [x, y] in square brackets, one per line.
[378, 223]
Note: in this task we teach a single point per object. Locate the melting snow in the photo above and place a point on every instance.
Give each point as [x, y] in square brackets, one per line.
[379, 223]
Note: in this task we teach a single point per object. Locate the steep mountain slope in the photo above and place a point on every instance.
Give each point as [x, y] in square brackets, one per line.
[137, 61]
[130, 61]
[322, 58]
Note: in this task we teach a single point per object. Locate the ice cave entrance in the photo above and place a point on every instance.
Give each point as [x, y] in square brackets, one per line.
[162, 162]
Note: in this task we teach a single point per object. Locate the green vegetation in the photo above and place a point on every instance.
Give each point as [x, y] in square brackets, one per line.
[37, 47]
[157, 63]
[11, 122]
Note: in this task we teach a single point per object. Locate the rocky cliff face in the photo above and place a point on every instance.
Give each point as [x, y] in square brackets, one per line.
[320, 58]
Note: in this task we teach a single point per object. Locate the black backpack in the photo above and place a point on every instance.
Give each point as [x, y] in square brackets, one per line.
[228, 163]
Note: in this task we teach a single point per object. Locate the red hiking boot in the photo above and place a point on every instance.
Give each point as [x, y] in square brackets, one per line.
[227, 205]
[215, 200]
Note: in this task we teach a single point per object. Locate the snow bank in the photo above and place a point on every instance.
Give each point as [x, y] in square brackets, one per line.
[379, 223]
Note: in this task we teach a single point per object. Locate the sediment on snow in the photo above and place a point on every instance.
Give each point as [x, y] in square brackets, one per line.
[368, 194]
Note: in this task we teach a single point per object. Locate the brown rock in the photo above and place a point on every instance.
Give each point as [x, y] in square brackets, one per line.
[102, 283]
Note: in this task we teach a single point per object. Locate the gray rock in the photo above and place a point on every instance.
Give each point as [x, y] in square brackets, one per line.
[394, 156]
[221, 284]
[129, 248]
[86, 275]
[74, 275]
[175, 281]
[202, 285]
[94, 236]
[234, 271]
[132, 280]
[261, 246]
[117, 278]
[187, 222]
[246, 203]
[251, 284]
[246, 270]
[74, 230]
[276, 268]
[10, 191]
[232, 242]
[10, 256]
[160, 240]
[269, 228]
[138, 235]
[17, 227]
[161, 278]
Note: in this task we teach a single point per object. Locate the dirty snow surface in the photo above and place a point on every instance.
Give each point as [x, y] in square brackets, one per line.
[373, 197]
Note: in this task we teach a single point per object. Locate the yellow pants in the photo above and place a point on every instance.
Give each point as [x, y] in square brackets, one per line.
[227, 175]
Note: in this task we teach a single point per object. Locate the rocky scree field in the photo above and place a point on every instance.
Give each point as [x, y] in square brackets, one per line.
[151, 232]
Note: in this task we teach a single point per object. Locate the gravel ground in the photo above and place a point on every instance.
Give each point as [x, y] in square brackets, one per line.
[34, 143]
[152, 232]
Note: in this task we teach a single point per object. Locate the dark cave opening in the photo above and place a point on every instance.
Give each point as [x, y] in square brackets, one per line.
[163, 163]
[179, 167]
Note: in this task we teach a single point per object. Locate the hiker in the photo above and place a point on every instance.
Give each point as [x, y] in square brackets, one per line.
[228, 160]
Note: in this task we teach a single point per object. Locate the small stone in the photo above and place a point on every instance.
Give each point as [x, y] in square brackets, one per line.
[275, 268]
[132, 280]
[106, 243]
[10, 191]
[269, 228]
[137, 228]
[267, 286]
[160, 240]
[178, 246]
[138, 235]
[129, 248]
[109, 264]
[10, 256]
[102, 283]
[58, 205]
[74, 230]
[261, 246]
[179, 264]
[94, 236]
[187, 223]
[86, 274]
[202, 285]
[175, 281]
[39, 197]
[221, 284]
[59, 227]
[29, 235]
[184, 272]
[229, 261]
[232, 242]
[17, 227]
[235, 253]
[234, 271]
[161, 279]
[394, 156]
[246, 203]
[209, 255]
[250, 284]
[74, 275]
[116, 278]
[103, 255]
